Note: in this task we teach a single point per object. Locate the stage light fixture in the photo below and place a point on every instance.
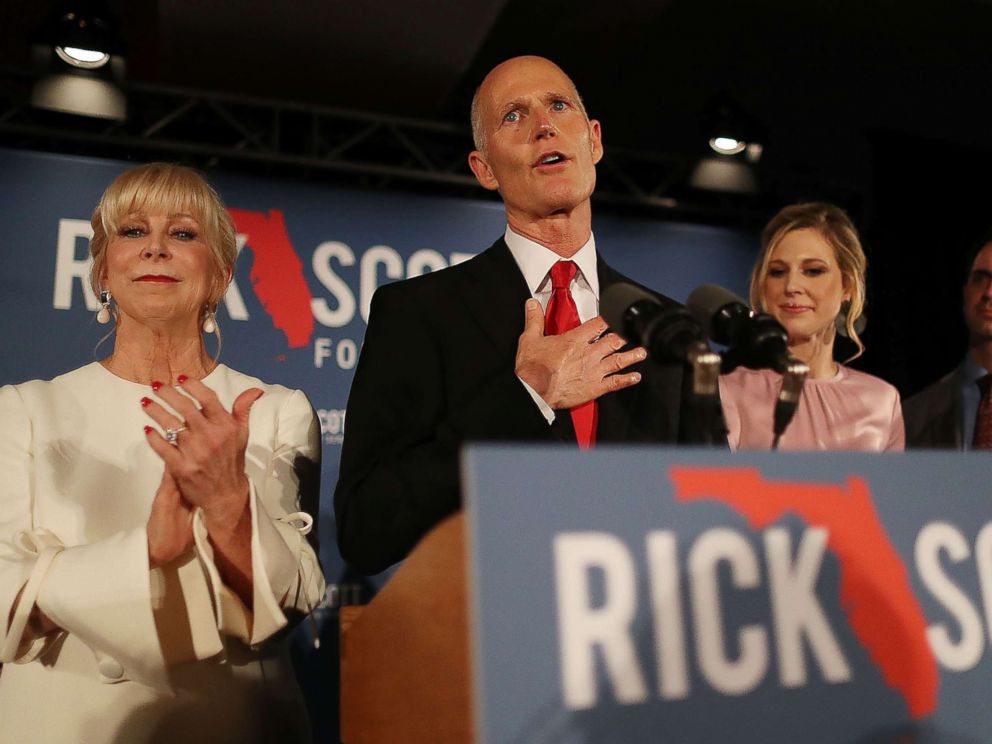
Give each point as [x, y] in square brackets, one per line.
[87, 59]
[735, 146]
[77, 56]
[83, 33]
[727, 145]
[730, 129]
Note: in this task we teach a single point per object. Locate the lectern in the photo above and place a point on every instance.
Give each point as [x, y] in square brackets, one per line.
[646, 594]
[405, 656]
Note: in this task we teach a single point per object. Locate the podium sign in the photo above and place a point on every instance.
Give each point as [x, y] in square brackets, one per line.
[669, 595]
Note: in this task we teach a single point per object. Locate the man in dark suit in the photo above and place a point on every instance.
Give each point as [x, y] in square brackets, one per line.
[946, 414]
[461, 354]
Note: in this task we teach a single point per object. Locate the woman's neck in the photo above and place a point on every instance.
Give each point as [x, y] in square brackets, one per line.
[818, 353]
[145, 354]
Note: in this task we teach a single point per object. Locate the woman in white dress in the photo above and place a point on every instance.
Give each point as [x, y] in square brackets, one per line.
[151, 543]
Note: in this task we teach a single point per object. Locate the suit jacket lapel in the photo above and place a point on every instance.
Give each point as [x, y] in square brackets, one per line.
[494, 294]
[952, 422]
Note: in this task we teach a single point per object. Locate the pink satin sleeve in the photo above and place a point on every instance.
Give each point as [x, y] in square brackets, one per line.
[850, 411]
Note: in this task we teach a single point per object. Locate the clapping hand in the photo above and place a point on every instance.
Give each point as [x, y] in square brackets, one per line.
[204, 454]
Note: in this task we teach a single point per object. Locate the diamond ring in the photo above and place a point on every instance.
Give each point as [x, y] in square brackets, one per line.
[172, 435]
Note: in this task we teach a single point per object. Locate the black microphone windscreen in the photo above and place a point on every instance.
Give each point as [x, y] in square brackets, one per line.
[615, 300]
[706, 300]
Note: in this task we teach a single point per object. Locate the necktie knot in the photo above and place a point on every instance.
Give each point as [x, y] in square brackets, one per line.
[562, 274]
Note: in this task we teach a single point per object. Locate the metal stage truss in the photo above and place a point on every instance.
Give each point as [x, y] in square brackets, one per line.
[214, 129]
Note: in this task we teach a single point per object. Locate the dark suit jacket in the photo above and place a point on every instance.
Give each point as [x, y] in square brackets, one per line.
[934, 415]
[437, 370]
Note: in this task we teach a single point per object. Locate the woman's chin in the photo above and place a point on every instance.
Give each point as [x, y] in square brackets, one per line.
[164, 317]
[803, 336]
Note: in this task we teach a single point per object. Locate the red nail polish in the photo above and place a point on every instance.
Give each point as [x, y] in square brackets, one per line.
[156, 385]
[148, 430]
[145, 401]
[181, 379]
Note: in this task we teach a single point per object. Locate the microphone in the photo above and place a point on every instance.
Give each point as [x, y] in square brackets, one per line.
[672, 336]
[755, 340]
[793, 380]
[662, 326]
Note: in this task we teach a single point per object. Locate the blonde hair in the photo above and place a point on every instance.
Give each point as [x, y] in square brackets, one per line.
[169, 188]
[835, 227]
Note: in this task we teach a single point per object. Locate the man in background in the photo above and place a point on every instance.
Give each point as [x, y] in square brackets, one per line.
[956, 411]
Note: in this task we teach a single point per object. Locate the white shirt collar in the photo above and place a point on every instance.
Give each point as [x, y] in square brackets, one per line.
[535, 261]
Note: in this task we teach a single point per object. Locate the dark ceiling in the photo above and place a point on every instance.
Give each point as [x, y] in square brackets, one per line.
[823, 78]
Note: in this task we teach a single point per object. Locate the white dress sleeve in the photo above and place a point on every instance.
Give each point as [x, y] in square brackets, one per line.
[98, 591]
[285, 570]
[16, 564]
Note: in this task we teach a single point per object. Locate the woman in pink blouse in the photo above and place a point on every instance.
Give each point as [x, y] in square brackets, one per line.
[811, 278]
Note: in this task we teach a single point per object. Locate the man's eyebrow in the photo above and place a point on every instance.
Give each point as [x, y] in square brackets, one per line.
[511, 105]
[981, 273]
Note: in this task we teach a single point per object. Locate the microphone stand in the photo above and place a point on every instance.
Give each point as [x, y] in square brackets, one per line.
[705, 387]
[793, 379]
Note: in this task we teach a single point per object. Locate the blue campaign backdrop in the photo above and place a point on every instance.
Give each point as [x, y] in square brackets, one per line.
[749, 597]
[296, 313]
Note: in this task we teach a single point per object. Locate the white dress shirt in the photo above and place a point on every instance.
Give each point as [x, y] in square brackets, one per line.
[535, 261]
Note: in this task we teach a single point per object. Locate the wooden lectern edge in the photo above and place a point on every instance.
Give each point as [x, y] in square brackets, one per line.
[347, 615]
[405, 657]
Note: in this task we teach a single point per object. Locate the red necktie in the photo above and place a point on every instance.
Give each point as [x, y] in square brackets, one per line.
[562, 316]
[983, 420]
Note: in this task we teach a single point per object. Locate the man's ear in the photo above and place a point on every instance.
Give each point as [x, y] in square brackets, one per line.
[596, 140]
[483, 173]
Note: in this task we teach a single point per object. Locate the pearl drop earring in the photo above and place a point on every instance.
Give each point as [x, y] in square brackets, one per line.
[103, 314]
[209, 321]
